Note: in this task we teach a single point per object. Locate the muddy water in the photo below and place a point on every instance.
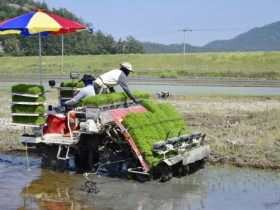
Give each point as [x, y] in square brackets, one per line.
[210, 188]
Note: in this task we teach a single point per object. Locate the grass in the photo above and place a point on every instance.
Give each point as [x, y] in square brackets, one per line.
[229, 64]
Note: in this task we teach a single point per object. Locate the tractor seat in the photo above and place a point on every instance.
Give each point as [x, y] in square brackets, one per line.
[81, 116]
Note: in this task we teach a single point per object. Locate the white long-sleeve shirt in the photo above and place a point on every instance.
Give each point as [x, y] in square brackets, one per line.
[86, 91]
[115, 77]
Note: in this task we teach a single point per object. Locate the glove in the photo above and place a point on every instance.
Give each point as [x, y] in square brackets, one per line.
[63, 103]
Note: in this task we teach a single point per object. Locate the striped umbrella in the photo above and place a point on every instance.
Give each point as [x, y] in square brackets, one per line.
[40, 23]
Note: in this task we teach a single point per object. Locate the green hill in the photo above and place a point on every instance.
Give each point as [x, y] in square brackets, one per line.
[266, 38]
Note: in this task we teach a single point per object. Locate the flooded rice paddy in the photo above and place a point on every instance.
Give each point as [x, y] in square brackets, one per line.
[182, 89]
[176, 89]
[214, 187]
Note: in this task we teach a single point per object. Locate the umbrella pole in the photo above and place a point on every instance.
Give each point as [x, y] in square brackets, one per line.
[62, 50]
[40, 58]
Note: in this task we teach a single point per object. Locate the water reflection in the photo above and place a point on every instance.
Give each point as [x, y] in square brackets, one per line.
[210, 188]
[14, 176]
[64, 191]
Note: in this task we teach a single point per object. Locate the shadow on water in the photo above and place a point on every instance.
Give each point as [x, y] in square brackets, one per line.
[210, 188]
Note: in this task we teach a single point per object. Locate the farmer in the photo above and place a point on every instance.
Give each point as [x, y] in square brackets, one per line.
[115, 77]
[88, 90]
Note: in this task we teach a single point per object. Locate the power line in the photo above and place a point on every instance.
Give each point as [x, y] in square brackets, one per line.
[168, 32]
[223, 29]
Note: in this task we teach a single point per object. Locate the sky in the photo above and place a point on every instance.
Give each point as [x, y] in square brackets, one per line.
[163, 21]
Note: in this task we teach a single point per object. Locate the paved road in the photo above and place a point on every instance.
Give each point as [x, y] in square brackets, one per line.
[155, 80]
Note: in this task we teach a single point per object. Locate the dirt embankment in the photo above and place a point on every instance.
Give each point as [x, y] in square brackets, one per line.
[244, 131]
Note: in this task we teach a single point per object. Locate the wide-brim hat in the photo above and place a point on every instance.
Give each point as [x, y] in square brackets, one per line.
[126, 65]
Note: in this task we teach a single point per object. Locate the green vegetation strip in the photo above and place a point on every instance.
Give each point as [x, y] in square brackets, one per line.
[72, 84]
[152, 126]
[28, 89]
[27, 99]
[37, 109]
[103, 99]
[29, 120]
[30, 109]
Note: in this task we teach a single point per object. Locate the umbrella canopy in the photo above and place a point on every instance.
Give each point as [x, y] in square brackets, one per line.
[40, 23]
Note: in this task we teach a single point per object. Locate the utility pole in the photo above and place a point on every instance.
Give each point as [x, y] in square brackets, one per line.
[184, 50]
[123, 48]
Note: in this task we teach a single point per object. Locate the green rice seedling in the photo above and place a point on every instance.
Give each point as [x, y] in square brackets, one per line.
[170, 119]
[29, 120]
[134, 122]
[28, 89]
[151, 106]
[70, 93]
[117, 97]
[72, 84]
[97, 100]
[164, 120]
[144, 134]
[35, 109]
[80, 103]
[157, 125]
[150, 127]
[175, 119]
[141, 94]
[16, 98]
[103, 99]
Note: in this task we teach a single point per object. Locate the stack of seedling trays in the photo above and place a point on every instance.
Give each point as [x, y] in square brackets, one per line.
[28, 105]
[68, 89]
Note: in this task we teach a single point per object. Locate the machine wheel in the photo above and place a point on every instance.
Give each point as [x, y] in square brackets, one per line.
[178, 170]
[166, 173]
[87, 155]
[50, 161]
[144, 178]
[197, 165]
[185, 170]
